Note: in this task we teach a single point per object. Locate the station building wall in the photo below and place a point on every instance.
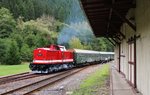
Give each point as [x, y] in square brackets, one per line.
[143, 45]
[142, 20]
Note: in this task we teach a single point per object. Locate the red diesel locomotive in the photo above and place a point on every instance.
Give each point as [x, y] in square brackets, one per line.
[56, 57]
[51, 58]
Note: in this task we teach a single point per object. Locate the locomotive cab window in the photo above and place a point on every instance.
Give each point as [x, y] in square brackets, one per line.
[57, 48]
[62, 48]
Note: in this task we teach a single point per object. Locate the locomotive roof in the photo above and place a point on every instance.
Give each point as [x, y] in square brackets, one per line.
[44, 48]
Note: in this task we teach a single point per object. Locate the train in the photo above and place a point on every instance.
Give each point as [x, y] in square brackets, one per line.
[55, 58]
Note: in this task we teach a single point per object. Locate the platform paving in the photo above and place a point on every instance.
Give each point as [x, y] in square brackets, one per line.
[119, 85]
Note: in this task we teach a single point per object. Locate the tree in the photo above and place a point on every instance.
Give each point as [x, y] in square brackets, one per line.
[13, 56]
[30, 40]
[30, 9]
[75, 43]
[26, 53]
[2, 50]
[7, 23]
[109, 46]
[88, 47]
[18, 38]
[41, 41]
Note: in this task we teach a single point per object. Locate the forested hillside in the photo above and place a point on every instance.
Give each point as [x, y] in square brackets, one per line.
[32, 9]
[28, 24]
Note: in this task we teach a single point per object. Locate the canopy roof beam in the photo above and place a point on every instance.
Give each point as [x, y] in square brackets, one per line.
[124, 19]
[111, 41]
[115, 41]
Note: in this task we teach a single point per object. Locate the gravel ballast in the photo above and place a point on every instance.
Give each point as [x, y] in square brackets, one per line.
[68, 85]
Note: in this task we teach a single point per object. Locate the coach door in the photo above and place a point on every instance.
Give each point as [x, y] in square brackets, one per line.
[131, 63]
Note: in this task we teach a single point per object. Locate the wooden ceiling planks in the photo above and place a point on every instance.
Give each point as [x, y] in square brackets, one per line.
[102, 15]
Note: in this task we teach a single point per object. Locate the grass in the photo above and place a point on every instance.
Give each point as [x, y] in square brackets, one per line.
[93, 82]
[13, 69]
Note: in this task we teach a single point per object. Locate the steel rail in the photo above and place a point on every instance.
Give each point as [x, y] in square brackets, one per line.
[5, 77]
[18, 78]
[24, 86]
[43, 83]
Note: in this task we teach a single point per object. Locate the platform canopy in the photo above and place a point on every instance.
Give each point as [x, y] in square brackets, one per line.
[107, 16]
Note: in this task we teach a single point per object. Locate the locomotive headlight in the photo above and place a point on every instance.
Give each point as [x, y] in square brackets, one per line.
[39, 54]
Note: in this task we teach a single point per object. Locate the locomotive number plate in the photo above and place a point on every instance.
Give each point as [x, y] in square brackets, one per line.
[39, 54]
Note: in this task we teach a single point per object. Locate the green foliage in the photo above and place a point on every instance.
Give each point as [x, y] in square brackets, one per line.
[99, 75]
[2, 50]
[4, 47]
[101, 44]
[93, 82]
[97, 44]
[41, 41]
[40, 32]
[26, 53]
[18, 38]
[36, 33]
[13, 56]
[30, 40]
[7, 23]
[109, 46]
[32, 9]
[28, 24]
[75, 43]
[13, 69]
[88, 47]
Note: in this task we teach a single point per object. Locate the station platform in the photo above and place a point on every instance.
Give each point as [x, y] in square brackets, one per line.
[119, 85]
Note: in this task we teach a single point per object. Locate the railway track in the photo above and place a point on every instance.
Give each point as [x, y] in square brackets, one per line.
[27, 89]
[5, 77]
[17, 77]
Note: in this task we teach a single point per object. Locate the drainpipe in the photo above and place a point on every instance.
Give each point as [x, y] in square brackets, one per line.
[135, 85]
[119, 55]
